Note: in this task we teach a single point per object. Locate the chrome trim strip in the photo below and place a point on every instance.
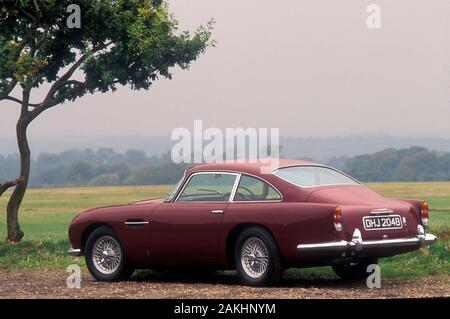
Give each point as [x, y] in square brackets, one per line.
[136, 223]
[381, 211]
[235, 187]
[258, 201]
[391, 242]
[217, 212]
[74, 252]
[337, 244]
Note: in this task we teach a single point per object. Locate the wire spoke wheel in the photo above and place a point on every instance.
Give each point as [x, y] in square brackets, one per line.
[254, 257]
[106, 255]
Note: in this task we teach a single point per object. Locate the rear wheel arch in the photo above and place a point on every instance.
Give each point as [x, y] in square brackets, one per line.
[233, 236]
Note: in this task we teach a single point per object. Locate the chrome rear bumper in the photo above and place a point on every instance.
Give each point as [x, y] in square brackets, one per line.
[74, 252]
[357, 243]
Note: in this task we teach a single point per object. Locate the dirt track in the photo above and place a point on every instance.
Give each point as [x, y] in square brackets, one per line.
[52, 284]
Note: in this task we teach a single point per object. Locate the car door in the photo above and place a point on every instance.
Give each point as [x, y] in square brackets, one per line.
[189, 226]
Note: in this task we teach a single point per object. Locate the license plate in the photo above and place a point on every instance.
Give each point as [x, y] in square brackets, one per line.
[382, 222]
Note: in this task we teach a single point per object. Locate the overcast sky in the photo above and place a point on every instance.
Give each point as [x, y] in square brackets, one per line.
[310, 68]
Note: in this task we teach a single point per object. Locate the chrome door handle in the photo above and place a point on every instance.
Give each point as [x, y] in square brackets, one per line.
[217, 212]
[135, 222]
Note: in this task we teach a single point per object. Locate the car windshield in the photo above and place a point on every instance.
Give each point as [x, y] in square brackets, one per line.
[172, 194]
[313, 176]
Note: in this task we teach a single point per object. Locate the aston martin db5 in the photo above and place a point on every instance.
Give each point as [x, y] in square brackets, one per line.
[233, 215]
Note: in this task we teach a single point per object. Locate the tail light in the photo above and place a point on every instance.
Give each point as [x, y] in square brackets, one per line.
[424, 212]
[338, 218]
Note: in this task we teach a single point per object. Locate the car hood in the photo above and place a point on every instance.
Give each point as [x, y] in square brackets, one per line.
[345, 195]
[109, 208]
[149, 201]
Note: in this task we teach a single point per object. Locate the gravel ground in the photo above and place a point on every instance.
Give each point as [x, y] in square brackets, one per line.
[52, 284]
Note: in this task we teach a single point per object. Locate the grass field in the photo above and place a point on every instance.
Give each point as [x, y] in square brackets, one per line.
[46, 214]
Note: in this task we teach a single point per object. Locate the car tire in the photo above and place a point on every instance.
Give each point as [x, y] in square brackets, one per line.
[105, 256]
[354, 271]
[264, 266]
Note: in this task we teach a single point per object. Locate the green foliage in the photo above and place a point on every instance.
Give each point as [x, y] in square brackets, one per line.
[120, 42]
[412, 164]
[105, 167]
[101, 168]
[161, 174]
[106, 180]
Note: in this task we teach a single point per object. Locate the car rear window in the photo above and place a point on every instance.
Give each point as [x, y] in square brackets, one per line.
[313, 176]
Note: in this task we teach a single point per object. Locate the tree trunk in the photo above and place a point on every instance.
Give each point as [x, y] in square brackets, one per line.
[7, 185]
[15, 234]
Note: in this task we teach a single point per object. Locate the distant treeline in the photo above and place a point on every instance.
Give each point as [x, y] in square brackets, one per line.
[105, 167]
[411, 164]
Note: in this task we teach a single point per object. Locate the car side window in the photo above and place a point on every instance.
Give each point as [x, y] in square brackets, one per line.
[208, 187]
[254, 189]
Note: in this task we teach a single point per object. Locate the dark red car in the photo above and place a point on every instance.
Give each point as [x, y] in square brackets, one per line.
[231, 215]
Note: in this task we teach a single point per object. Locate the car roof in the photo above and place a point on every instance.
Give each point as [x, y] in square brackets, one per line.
[255, 167]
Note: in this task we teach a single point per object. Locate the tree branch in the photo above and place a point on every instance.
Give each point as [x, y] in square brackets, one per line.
[5, 94]
[13, 82]
[10, 98]
[42, 40]
[79, 86]
[75, 82]
[72, 93]
[61, 81]
[5, 186]
[50, 100]
[29, 15]
[65, 77]
[38, 10]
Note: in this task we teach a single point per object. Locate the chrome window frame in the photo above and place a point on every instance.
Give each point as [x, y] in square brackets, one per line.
[233, 190]
[176, 190]
[315, 165]
[256, 201]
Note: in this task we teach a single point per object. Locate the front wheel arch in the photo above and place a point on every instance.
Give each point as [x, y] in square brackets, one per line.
[89, 229]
